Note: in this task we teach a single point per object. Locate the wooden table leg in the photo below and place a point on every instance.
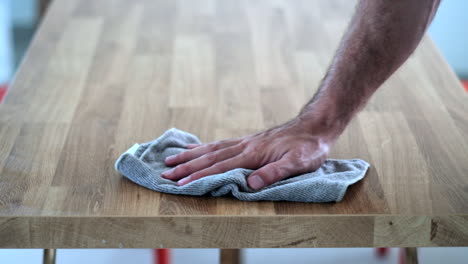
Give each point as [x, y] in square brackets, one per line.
[230, 256]
[49, 256]
[411, 255]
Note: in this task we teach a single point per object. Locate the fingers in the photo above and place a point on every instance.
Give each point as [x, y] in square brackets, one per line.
[191, 146]
[201, 162]
[238, 161]
[197, 151]
[273, 172]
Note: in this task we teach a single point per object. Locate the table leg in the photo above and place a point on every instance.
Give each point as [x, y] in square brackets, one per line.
[43, 5]
[49, 256]
[411, 255]
[230, 256]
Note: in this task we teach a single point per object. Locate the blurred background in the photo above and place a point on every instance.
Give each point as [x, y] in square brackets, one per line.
[18, 21]
[249, 256]
[20, 18]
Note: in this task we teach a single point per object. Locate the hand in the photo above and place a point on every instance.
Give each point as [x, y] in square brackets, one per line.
[277, 153]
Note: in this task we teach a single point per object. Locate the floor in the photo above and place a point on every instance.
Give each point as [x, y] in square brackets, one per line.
[250, 256]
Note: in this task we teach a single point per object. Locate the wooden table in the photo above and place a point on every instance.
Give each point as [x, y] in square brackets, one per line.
[102, 75]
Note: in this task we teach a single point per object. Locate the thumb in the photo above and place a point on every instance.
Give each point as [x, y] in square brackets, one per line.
[270, 174]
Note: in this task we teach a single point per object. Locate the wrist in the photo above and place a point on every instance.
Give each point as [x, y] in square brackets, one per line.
[324, 121]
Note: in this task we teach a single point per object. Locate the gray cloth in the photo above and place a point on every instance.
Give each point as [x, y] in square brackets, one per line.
[143, 164]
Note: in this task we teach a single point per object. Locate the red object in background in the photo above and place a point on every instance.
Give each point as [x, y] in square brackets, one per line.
[3, 89]
[465, 83]
[162, 256]
[381, 252]
[402, 256]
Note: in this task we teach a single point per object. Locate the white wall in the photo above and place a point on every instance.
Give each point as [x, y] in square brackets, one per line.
[449, 30]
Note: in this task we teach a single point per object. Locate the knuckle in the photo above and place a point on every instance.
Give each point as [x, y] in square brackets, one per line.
[256, 158]
[212, 147]
[250, 159]
[256, 148]
[221, 166]
[211, 157]
[244, 156]
[244, 143]
[276, 171]
[182, 169]
[299, 160]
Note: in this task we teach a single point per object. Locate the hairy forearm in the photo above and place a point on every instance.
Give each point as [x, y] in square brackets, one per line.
[380, 37]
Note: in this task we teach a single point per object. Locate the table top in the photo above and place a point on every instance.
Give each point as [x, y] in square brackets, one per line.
[103, 75]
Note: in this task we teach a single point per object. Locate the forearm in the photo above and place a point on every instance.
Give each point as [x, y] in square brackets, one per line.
[380, 37]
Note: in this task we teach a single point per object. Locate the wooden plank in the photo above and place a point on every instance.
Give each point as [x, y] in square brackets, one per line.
[384, 139]
[232, 231]
[186, 231]
[192, 72]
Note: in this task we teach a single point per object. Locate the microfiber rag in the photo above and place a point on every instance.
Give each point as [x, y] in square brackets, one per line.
[144, 163]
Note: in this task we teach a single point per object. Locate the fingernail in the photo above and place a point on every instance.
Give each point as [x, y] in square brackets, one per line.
[256, 182]
[183, 181]
[167, 173]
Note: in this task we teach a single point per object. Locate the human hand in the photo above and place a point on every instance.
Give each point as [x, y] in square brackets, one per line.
[277, 153]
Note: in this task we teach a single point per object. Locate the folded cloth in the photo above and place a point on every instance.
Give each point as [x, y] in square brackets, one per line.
[143, 164]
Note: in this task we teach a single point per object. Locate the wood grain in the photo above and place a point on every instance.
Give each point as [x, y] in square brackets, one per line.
[102, 75]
